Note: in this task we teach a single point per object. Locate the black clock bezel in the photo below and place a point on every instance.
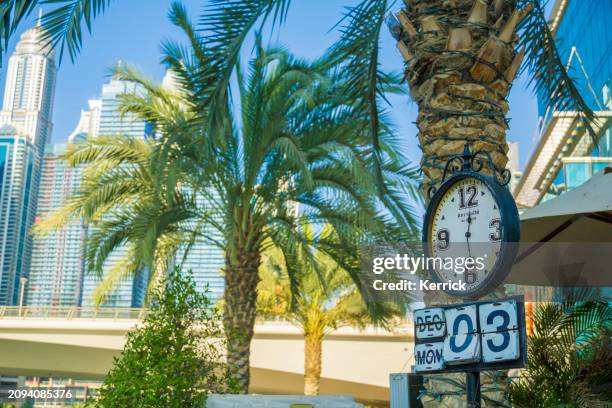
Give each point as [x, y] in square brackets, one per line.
[510, 231]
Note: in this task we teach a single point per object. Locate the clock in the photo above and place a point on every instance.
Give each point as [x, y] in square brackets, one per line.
[471, 233]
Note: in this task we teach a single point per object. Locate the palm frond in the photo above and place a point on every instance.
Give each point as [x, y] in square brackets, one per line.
[64, 23]
[225, 26]
[12, 12]
[358, 51]
[124, 268]
[568, 357]
[548, 72]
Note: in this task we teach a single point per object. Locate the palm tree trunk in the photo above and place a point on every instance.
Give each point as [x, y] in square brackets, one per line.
[313, 343]
[460, 63]
[241, 280]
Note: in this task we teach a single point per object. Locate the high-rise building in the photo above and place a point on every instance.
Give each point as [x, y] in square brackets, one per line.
[58, 275]
[25, 127]
[204, 259]
[58, 264]
[111, 121]
[513, 165]
[565, 156]
[89, 124]
[105, 119]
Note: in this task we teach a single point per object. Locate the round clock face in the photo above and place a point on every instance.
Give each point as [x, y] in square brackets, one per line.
[466, 231]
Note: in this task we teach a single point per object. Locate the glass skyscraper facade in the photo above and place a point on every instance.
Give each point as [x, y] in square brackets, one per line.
[35, 181]
[130, 292]
[25, 126]
[111, 121]
[58, 275]
[584, 40]
[58, 265]
[566, 156]
[205, 261]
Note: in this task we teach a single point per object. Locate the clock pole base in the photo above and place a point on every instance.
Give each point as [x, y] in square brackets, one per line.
[472, 381]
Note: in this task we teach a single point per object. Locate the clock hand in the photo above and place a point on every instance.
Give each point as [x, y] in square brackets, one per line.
[468, 234]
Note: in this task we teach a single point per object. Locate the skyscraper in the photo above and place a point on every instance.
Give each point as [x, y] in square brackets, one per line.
[111, 121]
[566, 155]
[58, 260]
[106, 120]
[204, 259]
[25, 127]
[58, 264]
[58, 273]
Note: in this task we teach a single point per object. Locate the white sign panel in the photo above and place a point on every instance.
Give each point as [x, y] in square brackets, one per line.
[498, 316]
[428, 356]
[462, 349]
[461, 320]
[484, 332]
[429, 323]
[502, 346]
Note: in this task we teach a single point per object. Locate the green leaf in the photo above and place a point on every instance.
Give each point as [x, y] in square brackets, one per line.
[548, 73]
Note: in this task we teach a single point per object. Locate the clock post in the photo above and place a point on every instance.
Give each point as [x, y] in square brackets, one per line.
[472, 383]
[472, 216]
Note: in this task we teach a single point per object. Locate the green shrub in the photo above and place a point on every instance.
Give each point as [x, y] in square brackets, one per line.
[174, 358]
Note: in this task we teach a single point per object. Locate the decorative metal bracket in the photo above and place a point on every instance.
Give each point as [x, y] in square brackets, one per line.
[469, 162]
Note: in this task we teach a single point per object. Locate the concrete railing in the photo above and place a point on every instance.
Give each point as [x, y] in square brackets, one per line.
[70, 312]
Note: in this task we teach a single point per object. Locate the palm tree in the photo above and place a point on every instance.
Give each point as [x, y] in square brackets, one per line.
[329, 299]
[125, 210]
[461, 59]
[569, 357]
[63, 23]
[287, 139]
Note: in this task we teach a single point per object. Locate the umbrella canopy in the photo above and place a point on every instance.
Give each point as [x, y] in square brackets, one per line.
[567, 241]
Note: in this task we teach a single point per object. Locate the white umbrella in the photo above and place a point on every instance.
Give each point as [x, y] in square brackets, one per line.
[567, 241]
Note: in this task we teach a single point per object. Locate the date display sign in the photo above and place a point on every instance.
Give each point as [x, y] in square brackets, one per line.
[472, 336]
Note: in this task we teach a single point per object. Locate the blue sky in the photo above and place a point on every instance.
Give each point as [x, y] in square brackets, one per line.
[132, 31]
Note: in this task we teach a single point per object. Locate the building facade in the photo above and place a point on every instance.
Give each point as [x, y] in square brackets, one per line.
[58, 275]
[565, 155]
[25, 127]
[105, 119]
[58, 263]
[111, 121]
[205, 260]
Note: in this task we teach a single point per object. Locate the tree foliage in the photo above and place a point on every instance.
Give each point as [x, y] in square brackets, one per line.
[569, 357]
[234, 170]
[126, 211]
[63, 23]
[175, 357]
[228, 24]
[328, 300]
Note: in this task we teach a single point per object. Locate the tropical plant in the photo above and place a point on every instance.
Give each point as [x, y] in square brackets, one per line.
[569, 357]
[174, 358]
[461, 59]
[126, 211]
[242, 166]
[329, 299]
[63, 23]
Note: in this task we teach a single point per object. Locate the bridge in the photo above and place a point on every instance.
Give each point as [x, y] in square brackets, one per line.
[81, 343]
